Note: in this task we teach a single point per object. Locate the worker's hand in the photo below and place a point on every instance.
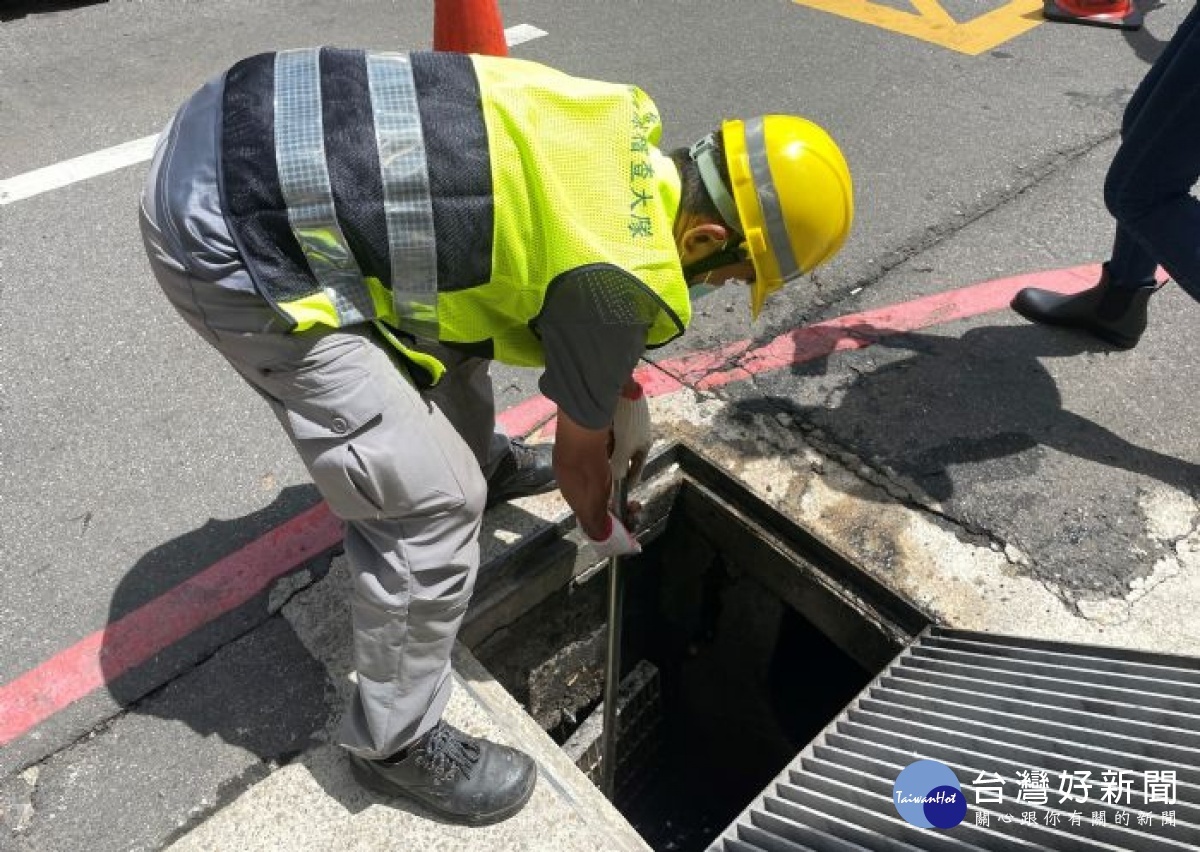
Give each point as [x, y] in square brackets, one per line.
[619, 541]
[631, 435]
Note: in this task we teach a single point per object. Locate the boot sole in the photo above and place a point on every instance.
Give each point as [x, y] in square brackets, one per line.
[1112, 339]
[370, 780]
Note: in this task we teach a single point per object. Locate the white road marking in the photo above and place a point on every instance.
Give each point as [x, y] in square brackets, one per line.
[77, 169]
[522, 33]
[87, 166]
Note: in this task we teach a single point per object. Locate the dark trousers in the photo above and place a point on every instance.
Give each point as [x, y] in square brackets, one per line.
[1149, 184]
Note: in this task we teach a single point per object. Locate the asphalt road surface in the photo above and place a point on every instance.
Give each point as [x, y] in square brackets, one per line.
[132, 459]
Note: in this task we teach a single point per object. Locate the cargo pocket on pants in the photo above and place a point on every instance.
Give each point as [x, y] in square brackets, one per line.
[372, 452]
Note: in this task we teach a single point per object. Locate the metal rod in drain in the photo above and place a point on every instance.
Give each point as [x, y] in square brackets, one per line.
[612, 661]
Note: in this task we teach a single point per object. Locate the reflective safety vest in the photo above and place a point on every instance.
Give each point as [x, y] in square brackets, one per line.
[442, 196]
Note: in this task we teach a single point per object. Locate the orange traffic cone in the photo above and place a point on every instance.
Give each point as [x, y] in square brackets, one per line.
[468, 26]
[1100, 13]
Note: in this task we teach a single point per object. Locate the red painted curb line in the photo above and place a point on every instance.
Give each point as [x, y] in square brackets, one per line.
[857, 331]
[738, 361]
[131, 640]
[128, 642]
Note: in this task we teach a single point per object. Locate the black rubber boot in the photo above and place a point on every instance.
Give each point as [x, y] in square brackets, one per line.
[1116, 315]
[460, 778]
[525, 471]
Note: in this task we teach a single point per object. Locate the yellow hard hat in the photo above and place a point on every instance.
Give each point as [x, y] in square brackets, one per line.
[793, 193]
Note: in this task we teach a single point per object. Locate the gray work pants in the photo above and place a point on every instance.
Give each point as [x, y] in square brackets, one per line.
[405, 470]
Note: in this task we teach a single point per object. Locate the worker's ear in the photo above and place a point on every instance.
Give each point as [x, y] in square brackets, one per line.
[701, 240]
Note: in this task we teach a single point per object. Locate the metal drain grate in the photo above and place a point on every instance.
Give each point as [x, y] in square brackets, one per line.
[1016, 720]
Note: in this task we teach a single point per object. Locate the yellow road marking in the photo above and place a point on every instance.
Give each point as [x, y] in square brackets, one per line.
[932, 12]
[930, 22]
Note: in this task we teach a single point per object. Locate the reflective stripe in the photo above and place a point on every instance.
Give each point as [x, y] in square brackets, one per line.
[408, 208]
[768, 199]
[304, 183]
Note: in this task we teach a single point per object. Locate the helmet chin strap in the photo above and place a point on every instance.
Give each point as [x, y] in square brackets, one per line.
[724, 256]
[704, 155]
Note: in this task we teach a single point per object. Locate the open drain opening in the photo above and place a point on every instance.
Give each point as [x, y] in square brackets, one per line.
[742, 638]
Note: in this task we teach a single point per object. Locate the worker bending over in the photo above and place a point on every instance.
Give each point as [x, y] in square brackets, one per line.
[360, 234]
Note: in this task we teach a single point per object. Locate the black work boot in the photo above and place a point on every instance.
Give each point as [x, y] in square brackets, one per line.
[525, 471]
[460, 778]
[1117, 315]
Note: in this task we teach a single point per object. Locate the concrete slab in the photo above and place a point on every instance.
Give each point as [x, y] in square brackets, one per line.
[314, 804]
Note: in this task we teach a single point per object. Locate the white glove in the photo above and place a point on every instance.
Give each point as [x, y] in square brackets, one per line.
[631, 438]
[619, 542]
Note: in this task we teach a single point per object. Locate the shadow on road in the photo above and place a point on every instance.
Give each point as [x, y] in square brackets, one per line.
[961, 401]
[10, 10]
[1146, 46]
[971, 424]
[274, 687]
[259, 688]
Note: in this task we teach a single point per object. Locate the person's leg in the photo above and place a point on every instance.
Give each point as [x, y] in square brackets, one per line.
[1130, 264]
[513, 468]
[412, 495]
[1148, 188]
[395, 470]
[467, 397]
[1137, 100]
